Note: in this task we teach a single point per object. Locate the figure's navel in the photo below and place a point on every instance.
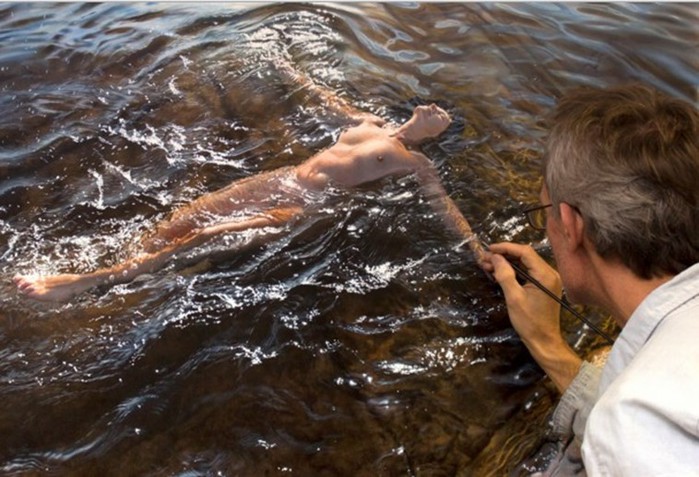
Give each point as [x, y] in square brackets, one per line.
[379, 158]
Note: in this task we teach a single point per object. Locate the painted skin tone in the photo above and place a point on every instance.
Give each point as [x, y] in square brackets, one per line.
[368, 151]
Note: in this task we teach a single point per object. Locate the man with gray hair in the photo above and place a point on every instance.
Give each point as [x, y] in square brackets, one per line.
[620, 205]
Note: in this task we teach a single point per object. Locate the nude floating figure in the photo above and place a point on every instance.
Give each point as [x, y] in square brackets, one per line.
[367, 151]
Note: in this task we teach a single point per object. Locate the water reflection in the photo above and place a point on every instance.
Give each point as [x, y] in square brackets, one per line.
[363, 342]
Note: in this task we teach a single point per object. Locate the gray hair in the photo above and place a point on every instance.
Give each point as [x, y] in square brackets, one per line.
[628, 159]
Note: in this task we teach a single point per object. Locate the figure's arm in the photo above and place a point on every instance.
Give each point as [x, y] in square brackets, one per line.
[443, 205]
[334, 103]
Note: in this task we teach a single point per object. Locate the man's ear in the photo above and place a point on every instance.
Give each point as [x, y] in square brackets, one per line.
[573, 225]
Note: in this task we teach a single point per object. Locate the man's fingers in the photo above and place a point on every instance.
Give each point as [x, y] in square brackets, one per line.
[519, 251]
[504, 274]
[524, 253]
[535, 266]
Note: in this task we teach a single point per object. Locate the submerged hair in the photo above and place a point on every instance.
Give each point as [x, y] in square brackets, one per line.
[628, 159]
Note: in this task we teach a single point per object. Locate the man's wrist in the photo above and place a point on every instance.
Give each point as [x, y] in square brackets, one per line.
[557, 359]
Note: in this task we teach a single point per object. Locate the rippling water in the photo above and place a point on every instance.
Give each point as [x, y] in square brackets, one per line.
[362, 342]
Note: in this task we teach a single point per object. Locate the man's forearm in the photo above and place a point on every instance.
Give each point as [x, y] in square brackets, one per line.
[558, 360]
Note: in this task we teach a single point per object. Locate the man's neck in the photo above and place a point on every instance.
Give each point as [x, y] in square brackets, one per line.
[620, 290]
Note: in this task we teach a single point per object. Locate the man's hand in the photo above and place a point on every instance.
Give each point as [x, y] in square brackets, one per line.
[534, 315]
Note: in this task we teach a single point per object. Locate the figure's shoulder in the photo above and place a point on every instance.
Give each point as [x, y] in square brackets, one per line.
[367, 130]
[419, 159]
[369, 119]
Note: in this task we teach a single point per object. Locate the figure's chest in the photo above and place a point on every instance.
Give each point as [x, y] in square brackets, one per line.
[368, 144]
[379, 154]
[368, 161]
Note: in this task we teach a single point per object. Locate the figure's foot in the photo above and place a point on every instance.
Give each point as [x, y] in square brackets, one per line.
[51, 288]
[285, 67]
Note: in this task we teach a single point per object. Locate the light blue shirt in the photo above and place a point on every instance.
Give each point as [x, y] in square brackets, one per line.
[646, 418]
[640, 415]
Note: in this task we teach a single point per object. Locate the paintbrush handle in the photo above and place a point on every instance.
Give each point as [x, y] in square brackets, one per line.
[561, 302]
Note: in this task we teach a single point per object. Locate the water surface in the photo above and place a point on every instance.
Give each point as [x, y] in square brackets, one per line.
[363, 341]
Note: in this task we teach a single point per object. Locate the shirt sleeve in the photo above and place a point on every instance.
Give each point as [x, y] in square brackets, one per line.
[570, 416]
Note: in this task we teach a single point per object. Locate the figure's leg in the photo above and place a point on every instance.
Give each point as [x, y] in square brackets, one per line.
[240, 195]
[63, 287]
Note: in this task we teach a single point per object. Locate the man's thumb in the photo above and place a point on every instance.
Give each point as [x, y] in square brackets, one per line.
[503, 272]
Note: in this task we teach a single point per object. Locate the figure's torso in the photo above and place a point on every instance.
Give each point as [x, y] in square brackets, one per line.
[362, 154]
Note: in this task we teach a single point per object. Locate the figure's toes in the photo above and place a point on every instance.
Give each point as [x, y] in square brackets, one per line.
[27, 288]
[24, 284]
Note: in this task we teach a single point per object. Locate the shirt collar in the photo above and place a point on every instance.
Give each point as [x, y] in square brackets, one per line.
[660, 303]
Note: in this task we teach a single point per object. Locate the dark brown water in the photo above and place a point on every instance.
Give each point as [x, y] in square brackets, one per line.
[362, 342]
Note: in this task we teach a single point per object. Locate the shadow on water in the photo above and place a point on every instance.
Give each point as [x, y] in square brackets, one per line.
[361, 341]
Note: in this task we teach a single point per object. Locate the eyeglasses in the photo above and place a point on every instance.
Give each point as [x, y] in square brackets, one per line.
[537, 216]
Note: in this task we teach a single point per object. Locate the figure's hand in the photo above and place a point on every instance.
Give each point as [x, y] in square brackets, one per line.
[427, 122]
[534, 315]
